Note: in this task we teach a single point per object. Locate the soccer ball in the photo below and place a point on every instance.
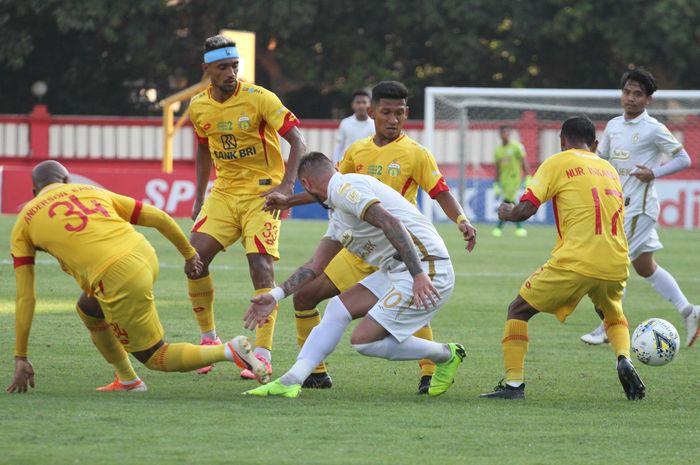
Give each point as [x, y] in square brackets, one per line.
[655, 342]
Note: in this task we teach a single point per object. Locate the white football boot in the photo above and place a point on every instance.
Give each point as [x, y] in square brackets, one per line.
[596, 337]
[691, 323]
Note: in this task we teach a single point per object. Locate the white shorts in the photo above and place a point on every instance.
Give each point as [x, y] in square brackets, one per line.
[395, 310]
[641, 235]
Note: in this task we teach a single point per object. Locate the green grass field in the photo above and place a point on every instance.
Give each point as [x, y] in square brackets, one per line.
[575, 411]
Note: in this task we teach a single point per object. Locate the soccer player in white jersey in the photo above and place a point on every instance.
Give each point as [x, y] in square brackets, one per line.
[355, 127]
[635, 143]
[413, 281]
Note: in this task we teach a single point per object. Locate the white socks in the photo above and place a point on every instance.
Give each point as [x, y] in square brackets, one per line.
[413, 348]
[664, 284]
[321, 342]
[209, 335]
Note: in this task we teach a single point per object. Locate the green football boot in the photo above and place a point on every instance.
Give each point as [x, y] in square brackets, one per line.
[275, 388]
[445, 372]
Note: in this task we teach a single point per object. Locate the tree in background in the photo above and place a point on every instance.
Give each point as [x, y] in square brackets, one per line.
[100, 57]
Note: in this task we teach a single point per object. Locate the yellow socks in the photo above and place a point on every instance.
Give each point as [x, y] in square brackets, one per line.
[264, 334]
[619, 336]
[108, 345]
[182, 356]
[201, 293]
[514, 349]
[427, 367]
[306, 320]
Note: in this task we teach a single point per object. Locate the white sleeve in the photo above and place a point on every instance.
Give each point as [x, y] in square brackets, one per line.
[604, 145]
[666, 142]
[354, 198]
[679, 162]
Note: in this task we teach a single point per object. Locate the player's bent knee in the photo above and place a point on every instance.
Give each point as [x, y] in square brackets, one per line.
[90, 306]
[519, 309]
[149, 356]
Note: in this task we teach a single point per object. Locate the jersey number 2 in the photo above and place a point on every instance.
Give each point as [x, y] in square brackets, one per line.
[82, 212]
[598, 216]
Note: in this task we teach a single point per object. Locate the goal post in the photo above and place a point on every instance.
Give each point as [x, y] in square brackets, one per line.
[461, 128]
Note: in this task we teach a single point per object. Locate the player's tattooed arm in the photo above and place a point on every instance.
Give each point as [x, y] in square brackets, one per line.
[396, 232]
[326, 250]
[300, 277]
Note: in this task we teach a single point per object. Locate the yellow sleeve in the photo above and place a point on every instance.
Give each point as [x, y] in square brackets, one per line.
[346, 164]
[25, 303]
[137, 212]
[427, 174]
[543, 185]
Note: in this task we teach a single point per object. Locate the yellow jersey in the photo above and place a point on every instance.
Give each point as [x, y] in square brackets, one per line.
[588, 208]
[242, 136]
[403, 164]
[86, 228]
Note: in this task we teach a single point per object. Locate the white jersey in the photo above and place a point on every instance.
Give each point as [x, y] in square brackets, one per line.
[350, 130]
[639, 141]
[349, 197]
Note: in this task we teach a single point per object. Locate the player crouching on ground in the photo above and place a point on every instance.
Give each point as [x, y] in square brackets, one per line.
[413, 281]
[589, 258]
[87, 229]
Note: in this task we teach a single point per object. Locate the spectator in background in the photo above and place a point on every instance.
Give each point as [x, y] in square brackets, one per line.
[357, 126]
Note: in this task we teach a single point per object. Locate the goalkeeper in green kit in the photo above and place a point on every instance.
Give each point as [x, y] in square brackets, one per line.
[511, 163]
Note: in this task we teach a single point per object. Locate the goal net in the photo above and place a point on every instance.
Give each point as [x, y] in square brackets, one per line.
[462, 130]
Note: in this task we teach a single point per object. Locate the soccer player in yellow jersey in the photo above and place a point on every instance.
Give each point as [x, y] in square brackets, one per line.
[401, 163]
[87, 229]
[237, 126]
[589, 258]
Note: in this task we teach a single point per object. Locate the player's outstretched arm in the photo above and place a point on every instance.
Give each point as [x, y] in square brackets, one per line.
[277, 201]
[25, 303]
[153, 217]
[424, 293]
[202, 165]
[262, 305]
[454, 211]
[520, 212]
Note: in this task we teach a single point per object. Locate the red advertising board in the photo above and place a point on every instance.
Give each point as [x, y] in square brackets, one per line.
[174, 193]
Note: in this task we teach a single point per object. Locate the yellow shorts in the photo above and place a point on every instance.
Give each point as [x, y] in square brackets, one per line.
[347, 269]
[125, 293]
[227, 218]
[558, 291]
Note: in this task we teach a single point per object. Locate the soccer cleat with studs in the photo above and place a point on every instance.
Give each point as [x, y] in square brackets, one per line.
[445, 372]
[244, 358]
[318, 381]
[424, 384]
[118, 386]
[275, 388]
[504, 391]
[692, 325]
[631, 383]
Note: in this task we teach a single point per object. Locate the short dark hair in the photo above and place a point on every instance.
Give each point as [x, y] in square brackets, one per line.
[389, 89]
[315, 161]
[579, 129]
[218, 41]
[504, 127]
[360, 93]
[643, 77]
